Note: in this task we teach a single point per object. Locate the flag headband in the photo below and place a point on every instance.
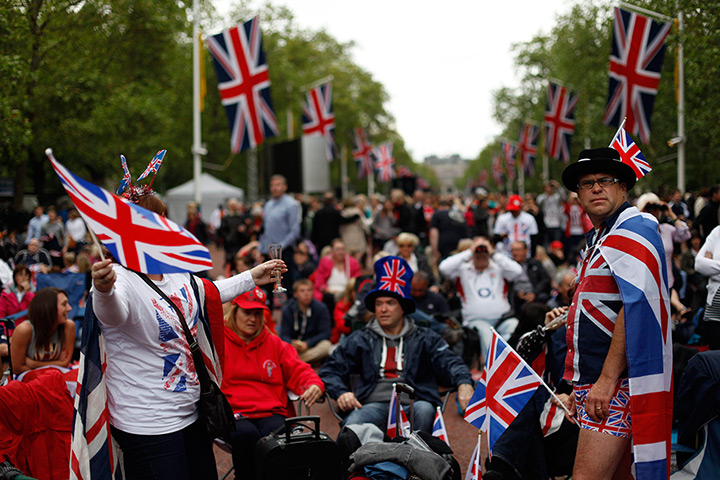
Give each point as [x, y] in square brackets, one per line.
[134, 193]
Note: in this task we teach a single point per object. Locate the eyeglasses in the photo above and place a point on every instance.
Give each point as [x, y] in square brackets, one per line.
[602, 182]
[401, 245]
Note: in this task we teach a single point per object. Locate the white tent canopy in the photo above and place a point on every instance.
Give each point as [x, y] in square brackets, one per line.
[213, 192]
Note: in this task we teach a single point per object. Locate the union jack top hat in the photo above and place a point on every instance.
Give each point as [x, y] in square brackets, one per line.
[393, 277]
[598, 160]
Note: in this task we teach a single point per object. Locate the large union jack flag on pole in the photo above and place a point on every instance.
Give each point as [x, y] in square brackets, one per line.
[138, 238]
[497, 169]
[630, 153]
[559, 121]
[529, 135]
[506, 384]
[362, 153]
[638, 48]
[244, 84]
[509, 150]
[318, 117]
[384, 161]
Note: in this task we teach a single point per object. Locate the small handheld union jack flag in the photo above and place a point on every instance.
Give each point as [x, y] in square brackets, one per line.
[318, 117]
[630, 153]
[127, 179]
[392, 424]
[154, 165]
[439, 429]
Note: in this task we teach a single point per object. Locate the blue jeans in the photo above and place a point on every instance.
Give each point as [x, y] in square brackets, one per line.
[377, 413]
[184, 455]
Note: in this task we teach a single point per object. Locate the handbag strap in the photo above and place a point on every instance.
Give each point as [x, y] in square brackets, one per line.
[200, 366]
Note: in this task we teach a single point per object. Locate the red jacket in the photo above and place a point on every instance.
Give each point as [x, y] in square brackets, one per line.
[9, 303]
[324, 269]
[258, 374]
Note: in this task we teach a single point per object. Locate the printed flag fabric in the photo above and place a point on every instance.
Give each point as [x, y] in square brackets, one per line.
[474, 472]
[497, 169]
[244, 84]
[405, 428]
[638, 49]
[559, 121]
[529, 136]
[138, 238]
[439, 429]
[318, 117]
[384, 162]
[154, 165]
[509, 150]
[630, 153]
[363, 153]
[506, 384]
[126, 176]
[635, 254]
[551, 418]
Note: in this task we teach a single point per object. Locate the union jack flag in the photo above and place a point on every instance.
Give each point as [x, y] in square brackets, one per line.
[506, 384]
[318, 117]
[244, 84]
[551, 418]
[392, 427]
[474, 471]
[630, 153]
[529, 136]
[559, 121]
[422, 184]
[439, 429]
[138, 238]
[154, 165]
[384, 161]
[483, 178]
[509, 150]
[392, 278]
[638, 48]
[404, 172]
[497, 169]
[363, 153]
[126, 175]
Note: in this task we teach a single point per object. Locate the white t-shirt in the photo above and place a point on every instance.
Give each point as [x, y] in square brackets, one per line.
[151, 380]
[514, 229]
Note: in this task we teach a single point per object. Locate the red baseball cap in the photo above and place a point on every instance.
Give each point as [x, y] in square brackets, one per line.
[556, 244]
[514, 203]
[255, 298]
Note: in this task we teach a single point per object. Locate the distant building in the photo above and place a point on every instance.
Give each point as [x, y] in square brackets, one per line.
[447, 169]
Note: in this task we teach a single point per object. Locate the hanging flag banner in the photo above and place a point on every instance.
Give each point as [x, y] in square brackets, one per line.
[318, 117]
[559, 121]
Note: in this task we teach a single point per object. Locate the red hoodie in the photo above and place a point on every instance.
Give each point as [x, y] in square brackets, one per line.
[258, 374]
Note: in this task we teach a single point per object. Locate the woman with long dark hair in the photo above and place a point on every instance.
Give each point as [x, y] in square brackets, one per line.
[48, 337]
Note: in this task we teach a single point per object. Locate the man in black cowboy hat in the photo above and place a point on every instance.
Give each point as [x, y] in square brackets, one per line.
[390, 349]
[615, 329]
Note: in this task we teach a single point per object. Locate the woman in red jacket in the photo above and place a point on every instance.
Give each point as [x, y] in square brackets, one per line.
[16, 297]
[259, 371]
[333, 274]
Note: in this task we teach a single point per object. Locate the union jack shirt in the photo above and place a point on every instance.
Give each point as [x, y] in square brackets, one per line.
[638, 48]
[244, 84]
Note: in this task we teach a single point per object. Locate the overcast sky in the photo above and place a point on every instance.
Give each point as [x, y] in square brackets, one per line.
[439, 61]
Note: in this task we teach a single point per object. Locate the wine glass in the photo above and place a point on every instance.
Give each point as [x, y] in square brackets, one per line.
[276, 254]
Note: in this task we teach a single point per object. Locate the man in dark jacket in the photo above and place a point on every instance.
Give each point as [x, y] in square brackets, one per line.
[391, 348]
[306, 323]
[534, 283]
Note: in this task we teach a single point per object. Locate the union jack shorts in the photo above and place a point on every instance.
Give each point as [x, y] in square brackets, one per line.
[618, 422]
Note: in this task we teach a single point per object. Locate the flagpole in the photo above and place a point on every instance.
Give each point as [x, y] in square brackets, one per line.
[343, 171]
[371, 182]
[681, 105]
[622, 124]
[197, 149]
[521, 179]
[97, 243]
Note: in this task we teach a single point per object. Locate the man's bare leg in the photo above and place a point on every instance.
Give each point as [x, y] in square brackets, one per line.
[599, 455]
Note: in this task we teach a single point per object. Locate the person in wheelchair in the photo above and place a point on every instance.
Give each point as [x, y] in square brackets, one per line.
[360, 373]
[260, 369]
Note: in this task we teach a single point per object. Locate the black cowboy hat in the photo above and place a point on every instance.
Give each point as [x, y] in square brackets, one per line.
[598, 160]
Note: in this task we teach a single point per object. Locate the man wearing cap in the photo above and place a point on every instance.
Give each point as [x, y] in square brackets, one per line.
[391, 348]
[515, 225]
[619, 357]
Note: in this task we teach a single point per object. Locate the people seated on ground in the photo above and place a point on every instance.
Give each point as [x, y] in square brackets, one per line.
[16, 297]
[306, 323]
[304, 264]
[562, 292]
[333, 273]
[35, 257]
[340, 326]
[48, 337]
[556, 252]
[361, 371]
[76, 231]
[407, 249]
[533, 285]
[482, 277]
[429, 304]
[69, 263]
[260, 369]
[52, 235]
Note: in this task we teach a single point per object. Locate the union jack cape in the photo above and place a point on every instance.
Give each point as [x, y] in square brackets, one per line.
[138, 238]
[559, 121]
[630, 153]
[363, 153]
[506, 385]
[529, 136]
[635, 254]
[638, 48]
[318, 117]
[244, 84]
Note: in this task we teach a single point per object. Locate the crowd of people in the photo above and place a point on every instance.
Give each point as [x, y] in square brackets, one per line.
[378, 288]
